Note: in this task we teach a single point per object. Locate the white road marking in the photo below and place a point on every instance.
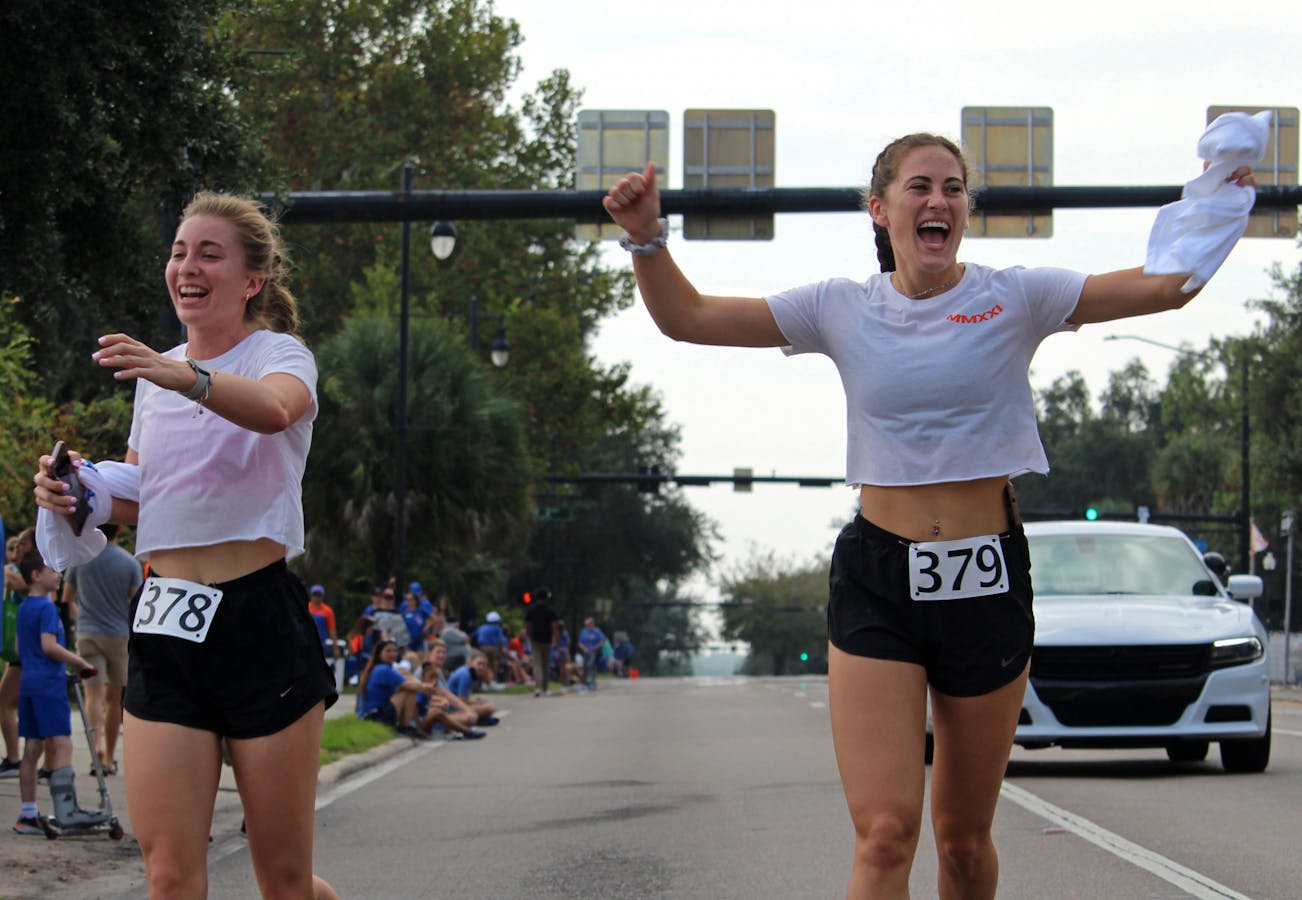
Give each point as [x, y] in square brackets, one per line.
[1193, 883]
[1286, 731]
[348, 785]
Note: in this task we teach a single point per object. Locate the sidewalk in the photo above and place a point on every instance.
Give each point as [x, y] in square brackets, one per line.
[227, 813]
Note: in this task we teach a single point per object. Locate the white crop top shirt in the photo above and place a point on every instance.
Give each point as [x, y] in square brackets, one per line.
[204, 480]
[936, 389]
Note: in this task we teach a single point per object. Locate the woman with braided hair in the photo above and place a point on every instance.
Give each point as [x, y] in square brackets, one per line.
[930, 589]
[221, 644]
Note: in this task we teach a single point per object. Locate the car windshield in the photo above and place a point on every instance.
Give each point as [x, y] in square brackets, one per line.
[1116, 564]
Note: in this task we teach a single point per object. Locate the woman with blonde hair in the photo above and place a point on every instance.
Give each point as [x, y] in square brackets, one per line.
[221, 645]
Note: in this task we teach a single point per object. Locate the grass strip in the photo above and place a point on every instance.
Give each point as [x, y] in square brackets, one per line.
[346, 735]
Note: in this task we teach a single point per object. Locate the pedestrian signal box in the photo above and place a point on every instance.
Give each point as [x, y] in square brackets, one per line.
[728, 149]
[612, 143]
[1009, 146]
[1279, 166]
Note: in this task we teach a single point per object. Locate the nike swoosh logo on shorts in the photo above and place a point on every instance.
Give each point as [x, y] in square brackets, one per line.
[1003, 663]
[285, 692]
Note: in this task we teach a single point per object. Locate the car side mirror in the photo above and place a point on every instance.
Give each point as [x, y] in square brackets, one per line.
[1204, 588]
[1245, 587]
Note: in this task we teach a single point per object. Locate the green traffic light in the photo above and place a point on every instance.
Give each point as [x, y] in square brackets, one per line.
[804, 657]
[1092, 514]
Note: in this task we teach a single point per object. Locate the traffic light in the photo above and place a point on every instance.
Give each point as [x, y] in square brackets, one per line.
[526, 598]
[1091, 513]
[804, 657]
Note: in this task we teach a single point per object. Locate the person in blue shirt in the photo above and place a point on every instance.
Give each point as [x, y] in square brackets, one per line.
[415, 610]
[591, 641]
[462, 681]
[623, 654]
[492, 640]
[387, 695]
[44, 715]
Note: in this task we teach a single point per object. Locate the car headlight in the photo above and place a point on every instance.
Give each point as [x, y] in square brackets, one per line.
[1235, 651]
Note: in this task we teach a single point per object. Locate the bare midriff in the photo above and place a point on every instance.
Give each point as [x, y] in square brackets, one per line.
[938, 512]
[218, 562]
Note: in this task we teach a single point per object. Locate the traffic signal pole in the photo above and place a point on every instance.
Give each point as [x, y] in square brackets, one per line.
[338, 207]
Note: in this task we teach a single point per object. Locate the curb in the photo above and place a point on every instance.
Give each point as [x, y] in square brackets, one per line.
[352, 764]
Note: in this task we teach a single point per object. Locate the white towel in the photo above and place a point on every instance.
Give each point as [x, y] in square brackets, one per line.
[1195, 234]
[59, 546]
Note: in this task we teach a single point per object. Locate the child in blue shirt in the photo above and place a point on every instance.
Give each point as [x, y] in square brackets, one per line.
[44, 715]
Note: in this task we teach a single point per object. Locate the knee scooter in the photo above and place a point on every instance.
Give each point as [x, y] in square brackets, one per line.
[69, 818]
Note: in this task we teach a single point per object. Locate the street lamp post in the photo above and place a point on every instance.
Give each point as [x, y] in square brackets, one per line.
[1245, 482]
[400, 479]
[443, 237]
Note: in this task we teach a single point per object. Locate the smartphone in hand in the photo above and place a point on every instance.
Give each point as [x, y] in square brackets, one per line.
[62, 469]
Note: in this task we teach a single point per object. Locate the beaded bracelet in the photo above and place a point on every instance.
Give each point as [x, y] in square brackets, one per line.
[651, 247]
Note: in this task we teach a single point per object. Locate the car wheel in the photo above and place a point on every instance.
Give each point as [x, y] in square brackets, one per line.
[1251, 755]
[1187, 751]
[929, 750]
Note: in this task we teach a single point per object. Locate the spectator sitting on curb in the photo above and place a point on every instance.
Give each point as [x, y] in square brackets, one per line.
[491, 640]
[463, 680]
[518, 657]
[458, 646]
[561, 660]
[436, 707]
[386, 694]
[434, 670]
[622, 655]
[361, 641]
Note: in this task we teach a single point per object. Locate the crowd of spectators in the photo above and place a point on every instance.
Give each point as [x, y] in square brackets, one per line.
[425, 675]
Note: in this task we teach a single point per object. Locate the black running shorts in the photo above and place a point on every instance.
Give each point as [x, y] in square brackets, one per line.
[968, 646]
[259, 669]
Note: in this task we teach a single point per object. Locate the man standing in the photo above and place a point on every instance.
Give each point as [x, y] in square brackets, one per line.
[324, 617]
[592, 640]
[98, 597]
[539, 617]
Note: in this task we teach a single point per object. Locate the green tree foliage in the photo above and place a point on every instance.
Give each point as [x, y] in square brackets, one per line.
[30, 422]
[114, 112]
[467, 479]
[344, 93]
[781, 614]
[1098, 458]
[1277, 389]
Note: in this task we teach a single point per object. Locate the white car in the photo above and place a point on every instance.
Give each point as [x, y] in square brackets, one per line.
[1138, 644]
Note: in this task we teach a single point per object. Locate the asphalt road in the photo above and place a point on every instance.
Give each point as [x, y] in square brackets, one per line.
[721, 788]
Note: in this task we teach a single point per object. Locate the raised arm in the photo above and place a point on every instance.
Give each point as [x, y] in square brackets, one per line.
[680, 311]
[1130, 292]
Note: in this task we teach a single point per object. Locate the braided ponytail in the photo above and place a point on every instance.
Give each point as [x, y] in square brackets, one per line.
[885, 252]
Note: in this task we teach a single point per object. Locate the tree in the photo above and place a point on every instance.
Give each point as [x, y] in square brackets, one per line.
[113, 121]
[779, 610]
[344, 93]
[467, 480]
[30, 422]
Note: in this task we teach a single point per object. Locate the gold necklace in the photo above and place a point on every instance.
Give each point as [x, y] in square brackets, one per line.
[936, 290]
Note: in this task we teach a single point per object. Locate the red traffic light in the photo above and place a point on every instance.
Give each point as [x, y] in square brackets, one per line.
[526, 598]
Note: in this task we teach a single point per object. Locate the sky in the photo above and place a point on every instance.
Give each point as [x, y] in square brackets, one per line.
[1129, 84]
